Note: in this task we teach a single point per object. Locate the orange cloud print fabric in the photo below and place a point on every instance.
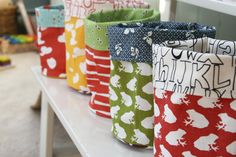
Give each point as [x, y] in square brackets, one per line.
[75, 55]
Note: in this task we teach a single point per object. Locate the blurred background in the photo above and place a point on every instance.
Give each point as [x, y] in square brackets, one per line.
[19, 124]
[224, 23]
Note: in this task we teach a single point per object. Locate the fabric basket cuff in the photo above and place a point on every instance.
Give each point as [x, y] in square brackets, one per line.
[80, 9]
[166, 25]
[128, 15]
[50, 16]
[133, 42]
[96, 35]
[208, 71]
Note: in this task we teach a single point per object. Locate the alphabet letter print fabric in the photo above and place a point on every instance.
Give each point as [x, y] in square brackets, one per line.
[195, 112]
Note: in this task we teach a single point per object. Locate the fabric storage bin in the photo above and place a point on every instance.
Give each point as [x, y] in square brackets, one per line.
[131, 86]
[97, 53]
[75, 54]
[195, 105]
[76, 11]
[51, 40]
[83, 8]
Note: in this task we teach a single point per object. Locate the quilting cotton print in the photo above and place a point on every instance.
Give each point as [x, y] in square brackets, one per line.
[51, 40]
[135, 112]
[75, 54]
[131, 88]
[98, 54]
[202, 126]
[195, 115]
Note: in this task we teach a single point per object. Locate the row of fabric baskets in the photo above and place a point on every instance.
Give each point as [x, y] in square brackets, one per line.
[166, 85]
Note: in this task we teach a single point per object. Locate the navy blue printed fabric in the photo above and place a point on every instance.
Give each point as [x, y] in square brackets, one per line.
[133, 42]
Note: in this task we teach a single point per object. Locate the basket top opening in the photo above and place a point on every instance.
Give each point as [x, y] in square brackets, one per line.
[170, 26]
[121, 15]
[51, 7]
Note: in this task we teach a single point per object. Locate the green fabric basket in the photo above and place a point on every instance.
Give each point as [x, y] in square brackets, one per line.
[98, 55]
[131, 88]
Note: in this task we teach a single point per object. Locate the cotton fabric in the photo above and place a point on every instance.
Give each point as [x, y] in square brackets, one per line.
[140, 37]
[83, 8]
[76, 11]
[75, 54]
[195, 112]
[97, 52]
[51, 40]
[131, 89]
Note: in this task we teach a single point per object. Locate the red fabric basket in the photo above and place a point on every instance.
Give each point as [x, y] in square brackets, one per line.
[51, 40]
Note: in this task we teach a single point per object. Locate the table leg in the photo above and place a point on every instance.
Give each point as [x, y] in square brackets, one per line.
[167, 9]
[46, 130]
[37, 104]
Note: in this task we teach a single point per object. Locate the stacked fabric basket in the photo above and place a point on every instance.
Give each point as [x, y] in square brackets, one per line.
[166, 85]
[131, 89]
[76, 11]
[195, 110]
[98, 55]
[51, 40]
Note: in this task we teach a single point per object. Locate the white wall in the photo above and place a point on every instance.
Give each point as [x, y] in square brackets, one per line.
[56, 2]
[153, 3]
[225, 24]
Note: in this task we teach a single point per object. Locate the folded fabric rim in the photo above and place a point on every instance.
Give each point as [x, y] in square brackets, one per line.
[50, 16]
[210, 72]
[128, 40]
[128, 15]
[80, 9]
[96, 35]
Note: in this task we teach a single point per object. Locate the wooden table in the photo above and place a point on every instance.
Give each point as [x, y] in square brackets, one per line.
[91, 134]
